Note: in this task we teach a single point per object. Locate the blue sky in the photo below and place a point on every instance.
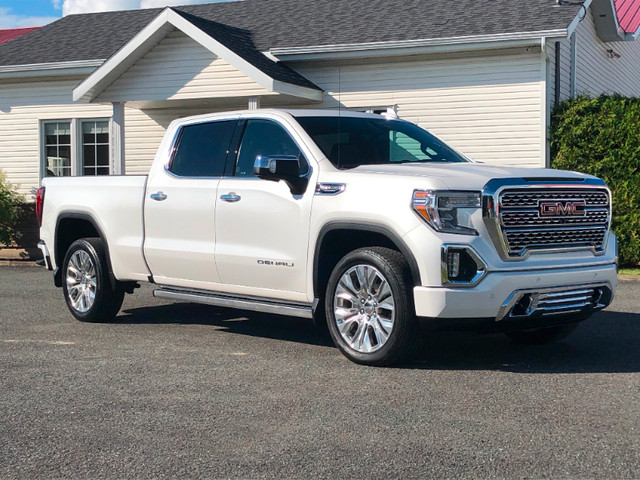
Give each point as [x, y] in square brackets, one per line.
[27, 13]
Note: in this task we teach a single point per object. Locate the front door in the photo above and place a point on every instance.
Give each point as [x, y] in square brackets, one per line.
[180, 207]
[262, 229]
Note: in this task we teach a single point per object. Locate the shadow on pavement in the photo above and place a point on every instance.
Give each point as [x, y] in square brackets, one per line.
[609, 342]
[238, 322]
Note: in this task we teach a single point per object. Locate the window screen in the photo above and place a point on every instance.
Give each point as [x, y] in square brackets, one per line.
[264, 137]
[202, 149]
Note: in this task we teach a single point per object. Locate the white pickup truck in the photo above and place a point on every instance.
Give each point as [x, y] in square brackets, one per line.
[368, 224]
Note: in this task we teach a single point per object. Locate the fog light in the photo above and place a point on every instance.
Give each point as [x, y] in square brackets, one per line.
[461, 266]
[453, 263]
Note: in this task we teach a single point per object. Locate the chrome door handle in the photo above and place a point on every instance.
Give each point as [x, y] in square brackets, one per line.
[158, 196]
[230, 197]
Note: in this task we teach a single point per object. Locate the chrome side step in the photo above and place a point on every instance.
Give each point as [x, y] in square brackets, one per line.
[232, 301]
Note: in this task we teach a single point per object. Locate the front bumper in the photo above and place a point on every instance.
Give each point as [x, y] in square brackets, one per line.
[499, 292]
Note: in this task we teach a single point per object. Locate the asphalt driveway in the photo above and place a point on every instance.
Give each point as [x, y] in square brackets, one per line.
[177, 390]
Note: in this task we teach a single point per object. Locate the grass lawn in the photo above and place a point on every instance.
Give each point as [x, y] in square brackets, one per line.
[629, 271]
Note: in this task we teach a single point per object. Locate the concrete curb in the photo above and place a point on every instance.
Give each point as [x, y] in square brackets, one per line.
[18, 263]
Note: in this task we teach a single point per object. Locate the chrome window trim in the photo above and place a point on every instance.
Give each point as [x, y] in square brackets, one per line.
[491, 212]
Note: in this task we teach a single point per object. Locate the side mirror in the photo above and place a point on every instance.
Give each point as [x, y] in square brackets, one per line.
[281, 167]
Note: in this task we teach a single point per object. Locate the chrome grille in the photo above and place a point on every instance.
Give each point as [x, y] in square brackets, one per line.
[531, 198]
[524, 227]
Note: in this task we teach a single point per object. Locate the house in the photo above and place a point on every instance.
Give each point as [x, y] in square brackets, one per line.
[93, 94]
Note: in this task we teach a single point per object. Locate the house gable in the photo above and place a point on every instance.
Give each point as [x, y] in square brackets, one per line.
[272, 77]
[179, 68]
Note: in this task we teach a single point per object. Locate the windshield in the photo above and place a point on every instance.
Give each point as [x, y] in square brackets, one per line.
[349, 142]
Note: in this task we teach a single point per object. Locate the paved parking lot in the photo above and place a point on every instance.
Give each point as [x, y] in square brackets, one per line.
[192, 391]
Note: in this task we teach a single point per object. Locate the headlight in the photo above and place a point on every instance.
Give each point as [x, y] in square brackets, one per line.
[447, 211]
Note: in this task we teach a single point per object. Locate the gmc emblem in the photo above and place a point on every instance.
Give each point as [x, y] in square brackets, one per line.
[562, 209]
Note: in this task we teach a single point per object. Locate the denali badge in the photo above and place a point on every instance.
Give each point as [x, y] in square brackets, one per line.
[562, 209]
[275, 263]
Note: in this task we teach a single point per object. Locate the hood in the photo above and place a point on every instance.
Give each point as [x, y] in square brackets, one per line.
[466, 176]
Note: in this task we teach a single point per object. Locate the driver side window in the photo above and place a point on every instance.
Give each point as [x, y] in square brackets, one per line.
[264, 137]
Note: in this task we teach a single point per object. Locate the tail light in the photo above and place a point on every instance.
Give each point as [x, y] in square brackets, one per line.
[39, 205]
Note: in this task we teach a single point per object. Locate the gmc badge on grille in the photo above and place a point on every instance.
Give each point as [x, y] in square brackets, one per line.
[562, 209]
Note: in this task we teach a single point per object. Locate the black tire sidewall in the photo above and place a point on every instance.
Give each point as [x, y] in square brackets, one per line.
[387, 354]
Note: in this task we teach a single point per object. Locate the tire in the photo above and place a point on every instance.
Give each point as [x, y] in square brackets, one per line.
[542, 336]
[87, 287]
[383, 329]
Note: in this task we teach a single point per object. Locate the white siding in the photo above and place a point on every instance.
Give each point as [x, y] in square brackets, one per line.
[22, 107]
[597, 73]
[565, 70]
[491, 108]
[179, 68]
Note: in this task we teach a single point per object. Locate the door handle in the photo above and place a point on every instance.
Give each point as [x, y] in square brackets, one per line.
[159, 196]
[230, 197]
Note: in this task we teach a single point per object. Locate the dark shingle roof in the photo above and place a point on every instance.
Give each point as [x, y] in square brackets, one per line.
[240, 42]
[294, 23]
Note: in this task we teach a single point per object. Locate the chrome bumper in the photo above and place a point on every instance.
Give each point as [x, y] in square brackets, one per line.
[575, 299]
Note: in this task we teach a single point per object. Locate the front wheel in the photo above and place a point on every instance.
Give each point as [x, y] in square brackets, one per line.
[88, 290]
[369, 307]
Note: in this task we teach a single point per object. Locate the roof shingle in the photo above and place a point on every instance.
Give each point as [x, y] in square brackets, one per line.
[296, 23]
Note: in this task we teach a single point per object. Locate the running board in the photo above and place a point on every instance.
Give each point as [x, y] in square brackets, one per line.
[242, 303]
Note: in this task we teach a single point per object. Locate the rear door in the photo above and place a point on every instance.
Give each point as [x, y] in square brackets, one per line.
[180, 206]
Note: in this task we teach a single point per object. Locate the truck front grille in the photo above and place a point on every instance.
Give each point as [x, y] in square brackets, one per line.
[549, 218]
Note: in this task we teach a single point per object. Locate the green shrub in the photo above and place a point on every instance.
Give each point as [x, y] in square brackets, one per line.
[601, 137]
[9, 211]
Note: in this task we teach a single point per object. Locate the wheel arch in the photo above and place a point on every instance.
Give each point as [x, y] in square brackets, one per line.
[353, 235]
[72, 226]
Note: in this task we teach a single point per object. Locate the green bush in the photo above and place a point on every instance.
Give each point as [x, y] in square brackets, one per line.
[601, 137]
[10, 201]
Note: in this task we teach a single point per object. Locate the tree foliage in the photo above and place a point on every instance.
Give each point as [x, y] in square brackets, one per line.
[601, 136]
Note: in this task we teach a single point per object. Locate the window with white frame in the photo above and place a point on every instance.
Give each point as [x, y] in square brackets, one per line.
[75, 147]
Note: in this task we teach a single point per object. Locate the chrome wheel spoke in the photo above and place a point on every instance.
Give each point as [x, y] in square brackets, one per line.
[346, 326]
[364, 308]
[380, 333]
[81, 281]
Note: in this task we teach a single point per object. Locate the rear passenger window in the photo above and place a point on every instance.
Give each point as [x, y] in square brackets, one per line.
[202, 149]
[264, 137]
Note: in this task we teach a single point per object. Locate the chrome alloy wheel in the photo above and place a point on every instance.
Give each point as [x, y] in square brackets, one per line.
[81, 281]
[364, 308]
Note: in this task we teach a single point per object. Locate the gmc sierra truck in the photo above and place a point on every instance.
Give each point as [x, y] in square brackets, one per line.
[367, 224]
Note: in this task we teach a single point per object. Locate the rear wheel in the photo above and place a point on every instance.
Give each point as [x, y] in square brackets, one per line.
[369, 307]
[542, 336]
[88, 290]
